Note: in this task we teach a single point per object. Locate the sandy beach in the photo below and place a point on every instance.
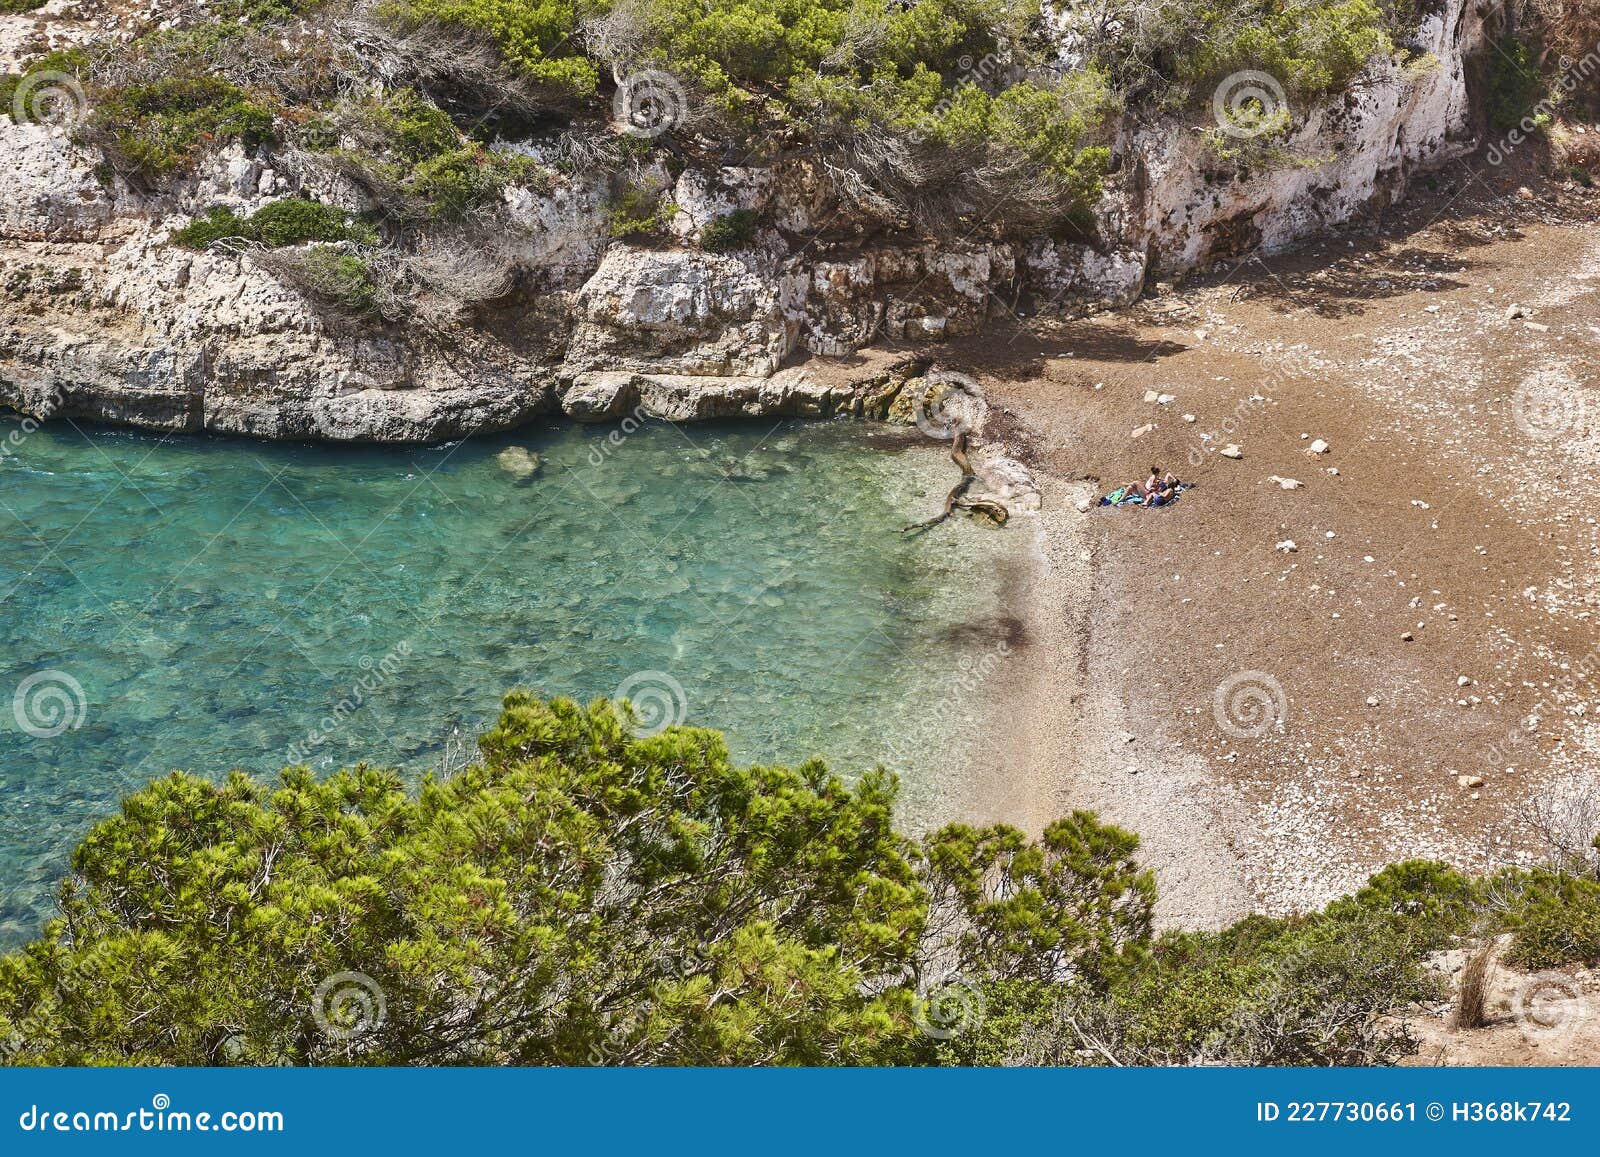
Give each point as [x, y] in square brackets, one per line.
[1316, 663]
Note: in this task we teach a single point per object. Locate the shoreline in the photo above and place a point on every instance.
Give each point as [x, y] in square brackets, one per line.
[1065, 739]
[1417, 598]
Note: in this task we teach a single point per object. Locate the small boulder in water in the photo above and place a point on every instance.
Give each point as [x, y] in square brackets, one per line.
[519, 461]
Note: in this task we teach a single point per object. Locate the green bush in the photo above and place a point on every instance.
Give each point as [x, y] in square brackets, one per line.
[414, 161]
[1308, 990]
[1513, 85]
[1439, 898]
[14, 7]
[639, 211]
[1312, 47]
[343, 280]
[578, 896]
[287, 222]
[157, 128]
[735, 230]
[71, 61]
[1556, 920]
[537, 37]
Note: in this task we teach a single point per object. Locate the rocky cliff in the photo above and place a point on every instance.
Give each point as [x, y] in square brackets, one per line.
[104, 318]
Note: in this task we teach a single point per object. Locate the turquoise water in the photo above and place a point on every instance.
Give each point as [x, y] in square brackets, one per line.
[206, 604]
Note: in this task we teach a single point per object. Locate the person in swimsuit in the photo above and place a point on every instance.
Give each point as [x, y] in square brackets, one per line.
[1158, 488]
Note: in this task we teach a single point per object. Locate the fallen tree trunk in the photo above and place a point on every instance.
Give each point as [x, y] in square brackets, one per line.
[957, 498]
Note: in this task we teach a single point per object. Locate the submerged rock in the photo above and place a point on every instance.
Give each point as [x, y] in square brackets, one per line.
[519, 462]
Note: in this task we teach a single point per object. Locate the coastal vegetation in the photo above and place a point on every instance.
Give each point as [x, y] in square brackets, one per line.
[919, 113]
[279, 223]
[580, 894]
[978, 119]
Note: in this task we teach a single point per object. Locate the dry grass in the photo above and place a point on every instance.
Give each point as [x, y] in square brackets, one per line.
[1471, 1005]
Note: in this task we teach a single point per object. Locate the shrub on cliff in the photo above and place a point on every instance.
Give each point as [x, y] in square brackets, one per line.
[286, 222]
[152, 129]
[71, 62]
[335, 277]
[537, 38]
[412, 160]
[731, 231]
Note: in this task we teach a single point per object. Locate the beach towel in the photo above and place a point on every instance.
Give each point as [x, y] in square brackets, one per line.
[1126, 496]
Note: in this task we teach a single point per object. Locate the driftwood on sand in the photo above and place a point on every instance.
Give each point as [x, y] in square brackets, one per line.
[957, 499]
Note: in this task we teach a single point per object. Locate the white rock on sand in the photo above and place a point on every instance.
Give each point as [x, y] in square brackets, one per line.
[1231, 451]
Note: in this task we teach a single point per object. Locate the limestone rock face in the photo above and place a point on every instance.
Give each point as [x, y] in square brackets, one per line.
[1357, 149]
[103, 317]
[47, 193]
[684, 311]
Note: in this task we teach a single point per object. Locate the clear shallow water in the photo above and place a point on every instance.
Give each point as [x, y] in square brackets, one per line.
[207, 604]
